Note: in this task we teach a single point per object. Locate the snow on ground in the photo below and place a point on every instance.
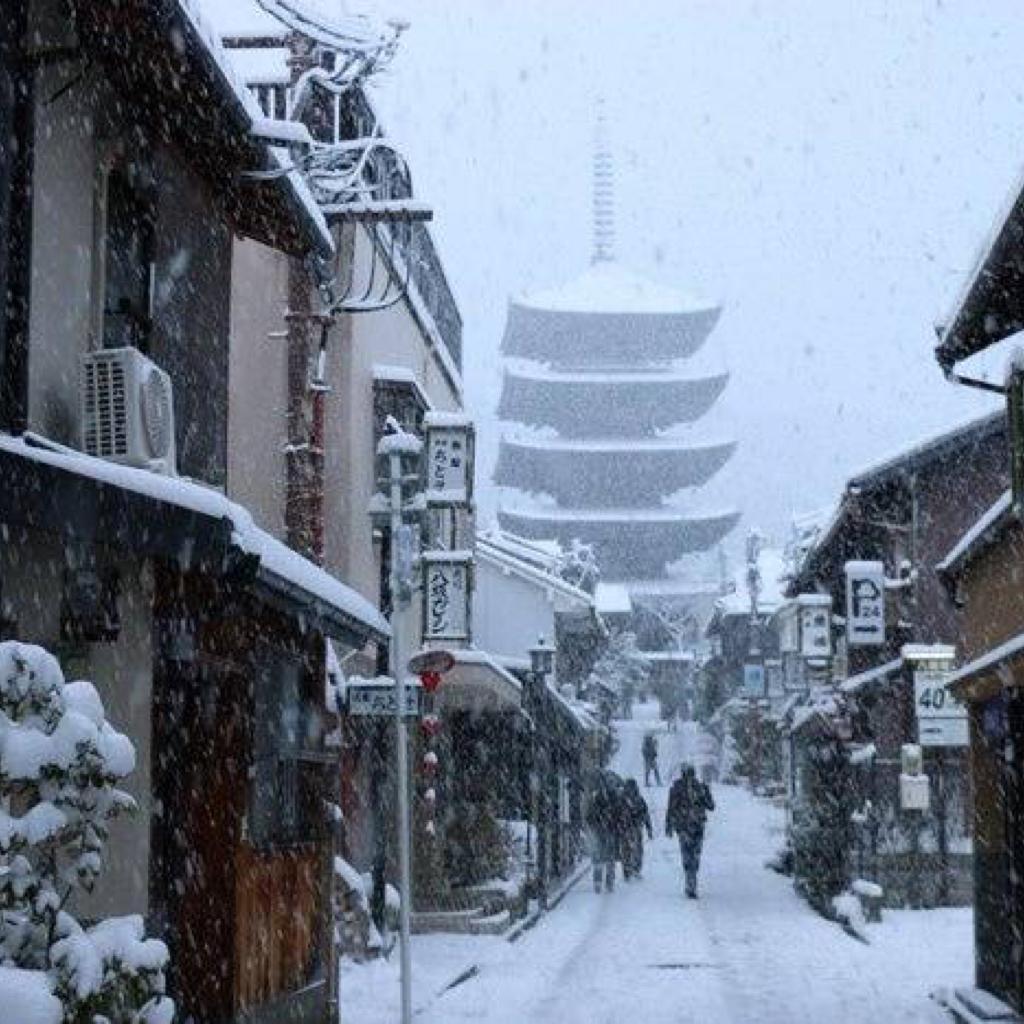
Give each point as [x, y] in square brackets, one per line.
[748, 952]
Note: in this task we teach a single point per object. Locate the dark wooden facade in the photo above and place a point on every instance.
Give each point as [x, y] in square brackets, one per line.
[988, 585]
[908, 513]
[242, 893]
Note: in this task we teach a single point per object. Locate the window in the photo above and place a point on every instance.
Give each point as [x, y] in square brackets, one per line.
[401, 399]
[128, 263]
[284, 804]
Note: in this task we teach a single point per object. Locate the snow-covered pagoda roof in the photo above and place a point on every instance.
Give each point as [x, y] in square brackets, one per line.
[608, 472]
[607, 315]
[629, 543]
[609, 287]
[584, 403]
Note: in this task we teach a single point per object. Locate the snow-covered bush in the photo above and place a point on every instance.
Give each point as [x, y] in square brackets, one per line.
[618, 675]
[822, 833]
[60, 765]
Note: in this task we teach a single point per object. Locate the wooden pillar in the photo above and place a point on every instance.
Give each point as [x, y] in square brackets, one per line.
[17, 128]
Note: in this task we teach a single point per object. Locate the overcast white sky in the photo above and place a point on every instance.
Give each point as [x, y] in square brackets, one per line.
[827, 169]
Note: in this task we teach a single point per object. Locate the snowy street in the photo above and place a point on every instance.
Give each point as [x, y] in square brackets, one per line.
[748, 951]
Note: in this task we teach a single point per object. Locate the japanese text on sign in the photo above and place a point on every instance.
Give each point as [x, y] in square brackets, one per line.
[447, 598]
[380, 700]
[448, 464]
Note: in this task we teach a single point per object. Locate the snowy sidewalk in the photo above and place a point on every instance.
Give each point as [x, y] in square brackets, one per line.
[748, 952]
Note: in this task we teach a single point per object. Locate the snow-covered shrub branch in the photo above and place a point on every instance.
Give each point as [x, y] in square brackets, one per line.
[60, 766]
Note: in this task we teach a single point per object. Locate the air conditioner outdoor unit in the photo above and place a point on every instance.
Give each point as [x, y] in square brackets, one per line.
[127, 410]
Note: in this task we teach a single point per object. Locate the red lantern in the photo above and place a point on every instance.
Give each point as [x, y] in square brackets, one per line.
[430, 680]
[431, 726]
[429, 763]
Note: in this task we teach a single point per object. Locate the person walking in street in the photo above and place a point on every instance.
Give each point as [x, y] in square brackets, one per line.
[634, 820]
[650, 752]
[689, 801]
[602, 818]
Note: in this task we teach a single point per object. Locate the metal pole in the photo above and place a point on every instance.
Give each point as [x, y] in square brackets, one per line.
[401, 751]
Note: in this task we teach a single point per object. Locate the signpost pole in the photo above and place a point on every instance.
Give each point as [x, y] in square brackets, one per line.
[397, 663]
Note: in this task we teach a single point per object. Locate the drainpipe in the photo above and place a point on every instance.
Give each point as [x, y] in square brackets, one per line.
[17, 94]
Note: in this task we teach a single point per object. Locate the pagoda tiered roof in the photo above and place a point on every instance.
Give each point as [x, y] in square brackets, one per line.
[616, 472]
[607, 316]
[589, 402]
[629, 543]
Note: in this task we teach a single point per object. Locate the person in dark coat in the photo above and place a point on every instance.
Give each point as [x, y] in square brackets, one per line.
[634, 819]
[602, 818]
[689, 801]
[650, 752]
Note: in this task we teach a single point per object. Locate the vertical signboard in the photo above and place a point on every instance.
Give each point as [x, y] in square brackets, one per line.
[815, 626]
[446, 596]
[941, 719]
[449, 464]
[865, 604]
[753, 681]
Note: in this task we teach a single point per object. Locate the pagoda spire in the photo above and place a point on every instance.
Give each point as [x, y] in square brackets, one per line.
[604, 190]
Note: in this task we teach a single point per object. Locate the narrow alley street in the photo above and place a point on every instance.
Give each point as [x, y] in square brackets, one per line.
[750, 950]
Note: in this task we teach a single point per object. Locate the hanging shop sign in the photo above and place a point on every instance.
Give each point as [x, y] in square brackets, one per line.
[865, 603]
[815, 625]
[446, 595]
[941, 719]
[449, 464]
[377, 697]
[753, 681]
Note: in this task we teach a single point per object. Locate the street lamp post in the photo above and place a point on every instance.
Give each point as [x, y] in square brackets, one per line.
[542, 664]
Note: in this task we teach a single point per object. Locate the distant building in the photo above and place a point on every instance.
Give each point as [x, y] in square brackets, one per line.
[605, 409]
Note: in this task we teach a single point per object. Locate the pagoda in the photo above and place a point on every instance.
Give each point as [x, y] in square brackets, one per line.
[600, 403]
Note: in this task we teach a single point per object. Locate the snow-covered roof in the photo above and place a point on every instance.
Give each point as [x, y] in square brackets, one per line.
[613, 599]
[608, 287]
[243, 19]
[275, 557]
[388, 373]
[991, 659]
[927, 448]
[199, 15]
[533, 371]
[771, 563]
[619, 445]
[977, 535]
[263, 65]
[819, 705]
[544, 553]
[441, 418]
[662, 514]
[853, 684]
[548, 579]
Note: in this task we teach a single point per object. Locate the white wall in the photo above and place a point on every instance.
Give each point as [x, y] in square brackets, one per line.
[509, 612]
[31, 566]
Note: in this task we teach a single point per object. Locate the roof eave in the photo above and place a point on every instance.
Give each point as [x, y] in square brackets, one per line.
[990, 306]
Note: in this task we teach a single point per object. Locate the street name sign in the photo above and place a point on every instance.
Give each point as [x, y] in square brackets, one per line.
[377, 698]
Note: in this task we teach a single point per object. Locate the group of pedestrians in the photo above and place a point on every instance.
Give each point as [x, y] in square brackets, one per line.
[618, 816]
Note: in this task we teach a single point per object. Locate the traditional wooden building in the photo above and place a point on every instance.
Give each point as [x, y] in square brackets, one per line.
[904, 512]
[133, 165]
[983, 570]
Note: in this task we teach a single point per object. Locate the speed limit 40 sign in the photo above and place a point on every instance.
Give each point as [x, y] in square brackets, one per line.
[941, 719]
